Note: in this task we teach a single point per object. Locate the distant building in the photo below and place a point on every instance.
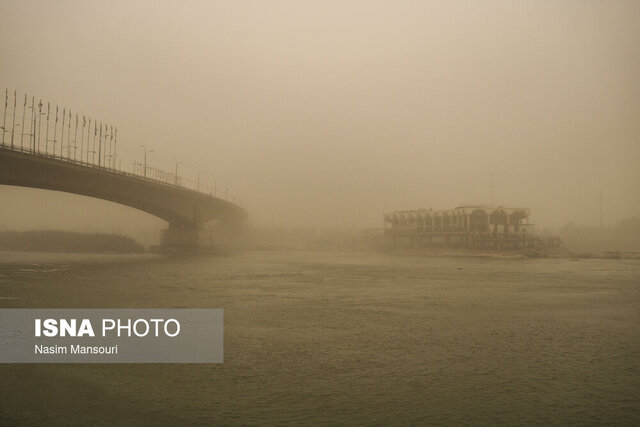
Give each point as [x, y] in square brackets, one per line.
[472, 226]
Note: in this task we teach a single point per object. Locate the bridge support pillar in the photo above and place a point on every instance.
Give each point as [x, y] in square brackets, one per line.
[181, 239]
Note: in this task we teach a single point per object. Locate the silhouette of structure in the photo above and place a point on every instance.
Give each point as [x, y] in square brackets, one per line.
[55, 152]
[473, 226]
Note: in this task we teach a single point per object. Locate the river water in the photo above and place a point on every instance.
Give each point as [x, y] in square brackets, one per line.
[345, 339]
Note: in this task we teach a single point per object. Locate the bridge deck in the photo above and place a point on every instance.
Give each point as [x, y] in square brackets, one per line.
[181, 207]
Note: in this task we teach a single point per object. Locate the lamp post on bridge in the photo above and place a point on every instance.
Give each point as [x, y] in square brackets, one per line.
[144, 172]
[36, 144]
[197, 179]
[176, 174]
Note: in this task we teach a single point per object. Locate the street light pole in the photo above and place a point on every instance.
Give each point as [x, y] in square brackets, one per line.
[36, 130]
[24, 112]
[32, 124]
[13, 121]
[198, 179]
[40, 114]
[144, 172]
[115, 147]
[176, 174]
[4, 120]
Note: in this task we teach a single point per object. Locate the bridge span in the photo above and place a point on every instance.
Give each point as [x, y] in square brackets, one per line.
[44, 146]
[185, 210]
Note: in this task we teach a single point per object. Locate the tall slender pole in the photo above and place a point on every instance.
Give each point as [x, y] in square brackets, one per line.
[64, 116]
[100, 146]
[75, 139]
[4, 120]
[144, 171]
[40, 105]
[93, 141]
[111, 158]
[24, 116]
[107, 147]
[13, 121]
[69, 137]
[109, 137]
[93, 150]
[88, 139]
[32, 125]
[84, 122]
[46, 137]
[109, 141]
[89, 148]
[55, 133]
[115, 146]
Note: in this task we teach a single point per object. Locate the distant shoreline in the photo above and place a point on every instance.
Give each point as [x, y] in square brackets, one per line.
[68, 241]
[560, 253]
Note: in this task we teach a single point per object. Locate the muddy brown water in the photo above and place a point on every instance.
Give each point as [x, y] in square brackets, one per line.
[346, 339]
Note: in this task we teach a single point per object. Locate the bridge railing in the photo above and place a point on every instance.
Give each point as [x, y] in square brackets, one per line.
[46, 130]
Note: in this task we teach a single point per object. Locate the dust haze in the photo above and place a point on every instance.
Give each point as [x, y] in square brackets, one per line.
[330, 114]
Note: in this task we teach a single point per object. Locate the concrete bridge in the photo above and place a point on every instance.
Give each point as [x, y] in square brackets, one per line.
[185, 210]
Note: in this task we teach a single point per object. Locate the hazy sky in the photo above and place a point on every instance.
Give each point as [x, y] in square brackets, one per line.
[333, 112]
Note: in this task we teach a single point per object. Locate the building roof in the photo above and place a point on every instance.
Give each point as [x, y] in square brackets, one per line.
[460, 210]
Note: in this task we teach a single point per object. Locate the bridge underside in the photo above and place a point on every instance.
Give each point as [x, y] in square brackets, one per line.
[185, 210]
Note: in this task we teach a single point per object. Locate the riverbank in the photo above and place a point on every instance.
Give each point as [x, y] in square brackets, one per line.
[67, 241]
[560, 253]
[39, 260]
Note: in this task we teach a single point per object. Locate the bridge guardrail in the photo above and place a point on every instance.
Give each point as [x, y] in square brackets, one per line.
[85, 141]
